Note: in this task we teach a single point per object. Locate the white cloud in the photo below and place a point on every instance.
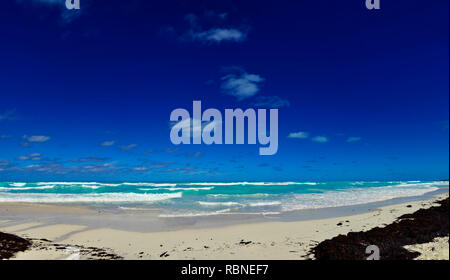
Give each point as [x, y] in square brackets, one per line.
[188, 124]
[171, 150]
[298, 135]
[34, 156]
[214, 34]
[89, 159]
[219, 34]
[128, 147]
[107, 143]
[36, 139]
[58, 168]
[320, 139]
[141, 168]
[353, 139]
[241, 86]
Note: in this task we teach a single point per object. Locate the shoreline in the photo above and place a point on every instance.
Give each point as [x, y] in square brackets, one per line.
[151, 220]
[266, 238]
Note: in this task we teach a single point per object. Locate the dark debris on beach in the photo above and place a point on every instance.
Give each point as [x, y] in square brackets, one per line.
[419, 227]
[11, 244]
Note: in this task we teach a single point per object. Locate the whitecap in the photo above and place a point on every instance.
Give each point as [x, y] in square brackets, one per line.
[195, 214]
[91, 197]
[17, 184]
[355, 196]
[26, 188]
[214, 204]
[151, 184]
[264, 203]
[176, 189]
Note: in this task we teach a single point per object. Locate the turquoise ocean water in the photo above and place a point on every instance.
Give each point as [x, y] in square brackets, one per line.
[190, 199]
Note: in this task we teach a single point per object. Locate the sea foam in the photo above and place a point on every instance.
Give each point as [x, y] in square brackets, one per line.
[91, 197]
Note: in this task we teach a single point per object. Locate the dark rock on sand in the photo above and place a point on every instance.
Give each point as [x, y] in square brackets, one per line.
[11, 244]
[165, 254]
[242, 242]
[419, 227]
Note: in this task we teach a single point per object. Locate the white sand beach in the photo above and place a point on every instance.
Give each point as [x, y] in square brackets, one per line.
[256, 240]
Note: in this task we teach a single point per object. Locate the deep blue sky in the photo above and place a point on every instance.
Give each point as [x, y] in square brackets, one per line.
[372, 85]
